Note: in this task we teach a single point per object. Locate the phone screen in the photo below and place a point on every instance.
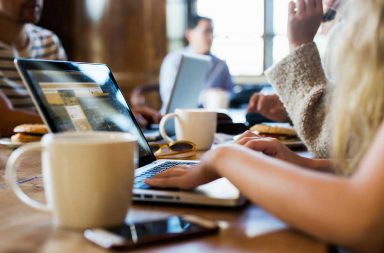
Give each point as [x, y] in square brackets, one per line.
[136, 234]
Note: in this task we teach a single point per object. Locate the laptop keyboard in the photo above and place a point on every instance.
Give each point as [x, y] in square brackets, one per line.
[139, 179]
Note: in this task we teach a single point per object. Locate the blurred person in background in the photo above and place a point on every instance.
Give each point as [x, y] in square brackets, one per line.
[200, 37]
[20, 37]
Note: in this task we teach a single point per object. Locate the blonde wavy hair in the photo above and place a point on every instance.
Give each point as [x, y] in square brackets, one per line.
[358, 98]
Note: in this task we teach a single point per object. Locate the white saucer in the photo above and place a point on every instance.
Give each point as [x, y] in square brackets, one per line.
[7, 143]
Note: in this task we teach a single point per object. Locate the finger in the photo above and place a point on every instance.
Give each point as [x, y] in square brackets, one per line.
[300, 6]
[265, 145]
[310, 4]
[169, 182]
[264, 106]
[246, 140]
[252, 103]
[270, 102]
[247, 133]
[246, 136]
[261, 103]
[255, 98]
[171, 172]
[291, 8]
[256, 145]
[241, 141]
[158, 117]
[141, 120]
[319, 5]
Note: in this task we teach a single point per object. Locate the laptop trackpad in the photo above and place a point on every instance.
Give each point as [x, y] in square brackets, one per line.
[219, 189]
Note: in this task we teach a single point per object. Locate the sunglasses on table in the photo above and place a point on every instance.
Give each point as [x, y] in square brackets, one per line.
[176, 149]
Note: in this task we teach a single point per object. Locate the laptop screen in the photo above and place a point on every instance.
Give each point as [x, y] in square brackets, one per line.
[81, 97]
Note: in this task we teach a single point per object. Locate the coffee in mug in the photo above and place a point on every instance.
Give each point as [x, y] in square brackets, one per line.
[88, 177]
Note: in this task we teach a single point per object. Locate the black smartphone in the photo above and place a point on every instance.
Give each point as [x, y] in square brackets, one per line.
[329, 15]
[146, 233]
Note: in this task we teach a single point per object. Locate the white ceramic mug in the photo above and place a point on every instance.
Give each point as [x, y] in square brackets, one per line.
[214, 99]
[196, 125]
[88, 177]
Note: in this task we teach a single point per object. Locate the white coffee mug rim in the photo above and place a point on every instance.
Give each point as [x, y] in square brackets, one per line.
[101, 137]
[194, 110]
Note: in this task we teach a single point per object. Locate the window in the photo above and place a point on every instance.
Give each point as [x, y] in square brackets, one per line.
[250, 35]
[233, 19]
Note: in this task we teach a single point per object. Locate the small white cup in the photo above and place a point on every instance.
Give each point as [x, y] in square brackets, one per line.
[214, 99]
[195, 125]
[88, 177]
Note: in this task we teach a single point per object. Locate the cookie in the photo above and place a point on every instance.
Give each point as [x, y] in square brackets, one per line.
[24, 138]
[275, 130]
[31, 128]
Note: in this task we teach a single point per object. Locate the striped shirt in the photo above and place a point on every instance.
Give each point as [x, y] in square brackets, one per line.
[43, 44]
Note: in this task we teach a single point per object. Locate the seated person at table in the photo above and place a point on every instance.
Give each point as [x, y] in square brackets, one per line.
[301, 83]
[344, 208]
[145, 116]
[19, 37]
[200, 37]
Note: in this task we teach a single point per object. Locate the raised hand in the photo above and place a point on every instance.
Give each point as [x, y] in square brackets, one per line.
[304, 20]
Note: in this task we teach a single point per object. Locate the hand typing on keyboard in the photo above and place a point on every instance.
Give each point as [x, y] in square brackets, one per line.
[139, 179]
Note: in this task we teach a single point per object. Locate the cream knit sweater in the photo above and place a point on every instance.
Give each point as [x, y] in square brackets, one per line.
[301, 84]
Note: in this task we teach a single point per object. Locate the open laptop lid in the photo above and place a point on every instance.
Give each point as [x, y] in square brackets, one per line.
[189, 82]
[72, 96]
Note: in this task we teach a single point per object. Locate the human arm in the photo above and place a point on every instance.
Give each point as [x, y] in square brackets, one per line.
[274, 148]
[12, 117]
[146, 116]
[344, 211]
[301, 84]
[268, 106]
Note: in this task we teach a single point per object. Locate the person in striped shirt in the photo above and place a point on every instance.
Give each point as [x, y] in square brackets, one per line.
[20, 37]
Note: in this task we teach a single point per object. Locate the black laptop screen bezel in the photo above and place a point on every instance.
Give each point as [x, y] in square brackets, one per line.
[25, 65]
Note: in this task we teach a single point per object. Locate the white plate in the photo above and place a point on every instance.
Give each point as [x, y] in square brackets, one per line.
[7, 142]
[295, 143]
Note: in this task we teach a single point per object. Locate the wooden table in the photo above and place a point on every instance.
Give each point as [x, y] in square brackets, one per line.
[246, 229]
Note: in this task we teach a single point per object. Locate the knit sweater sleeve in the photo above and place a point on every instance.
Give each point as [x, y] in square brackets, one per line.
[301, 84]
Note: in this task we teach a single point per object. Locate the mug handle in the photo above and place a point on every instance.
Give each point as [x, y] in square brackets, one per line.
[11, 179]
[163, 121]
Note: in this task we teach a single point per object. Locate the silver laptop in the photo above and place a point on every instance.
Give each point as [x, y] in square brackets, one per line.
[81, 97]
[189, 82]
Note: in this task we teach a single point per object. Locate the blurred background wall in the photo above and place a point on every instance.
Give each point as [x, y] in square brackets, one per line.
[128, 35]
[133, 36]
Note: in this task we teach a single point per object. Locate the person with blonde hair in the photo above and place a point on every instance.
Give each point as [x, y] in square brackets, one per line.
[301, 80]
[344, 208]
